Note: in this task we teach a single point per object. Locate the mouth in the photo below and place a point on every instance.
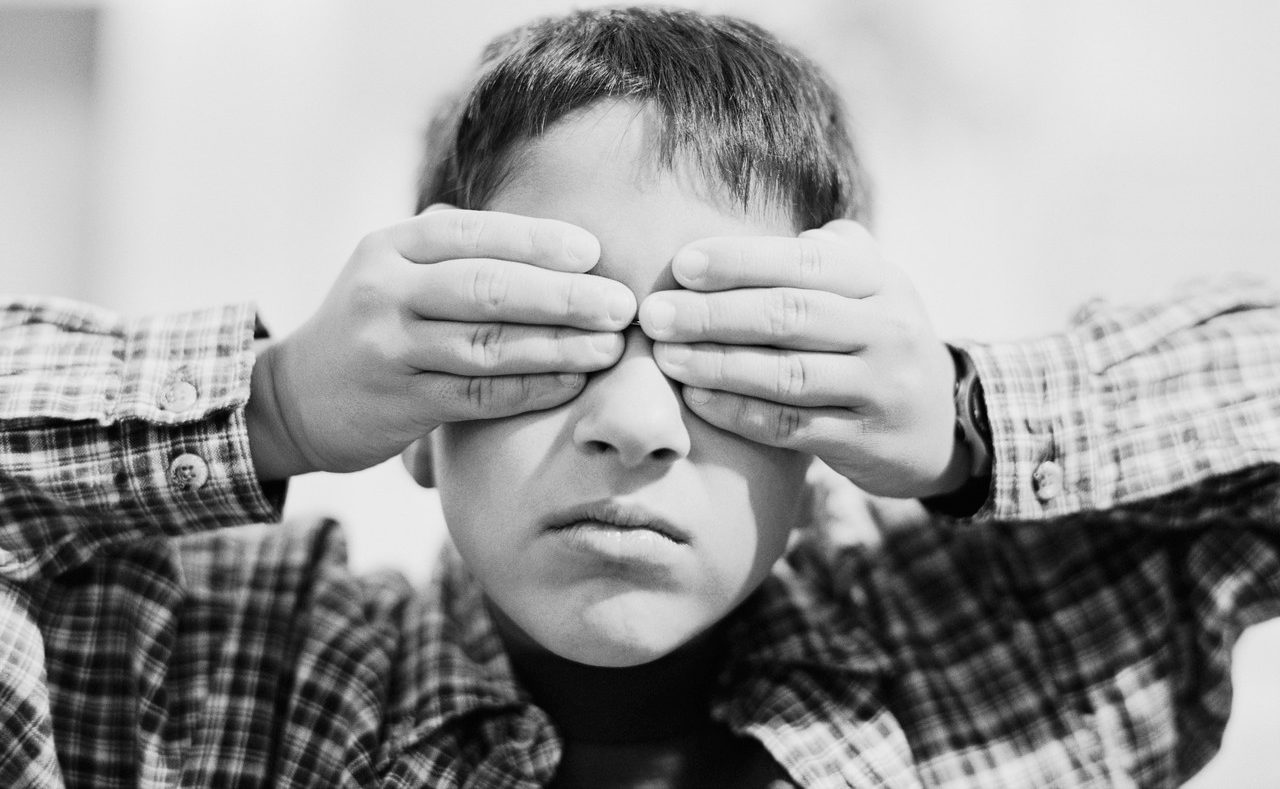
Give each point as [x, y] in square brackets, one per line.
[613, 515]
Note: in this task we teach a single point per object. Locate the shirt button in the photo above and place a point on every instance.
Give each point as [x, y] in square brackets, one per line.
[1047, 480]
[178, 396]
[188, 472]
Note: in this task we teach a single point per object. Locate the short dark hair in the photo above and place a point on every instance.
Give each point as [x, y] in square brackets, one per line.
[754, 115]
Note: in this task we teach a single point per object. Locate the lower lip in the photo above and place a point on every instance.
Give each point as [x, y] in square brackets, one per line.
[618, 544]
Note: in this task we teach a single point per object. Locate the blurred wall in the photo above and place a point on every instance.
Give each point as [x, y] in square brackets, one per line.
[163, 156]
[46, 127]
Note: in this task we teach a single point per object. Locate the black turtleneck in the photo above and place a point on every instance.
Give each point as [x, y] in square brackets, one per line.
[642, 726]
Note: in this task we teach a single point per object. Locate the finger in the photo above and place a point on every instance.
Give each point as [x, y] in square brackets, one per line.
[806, 320]
[818, 431]
[818, 260]
[487, 349]
[437, 235]
[457, 398]
[791, 377]
[504, 292]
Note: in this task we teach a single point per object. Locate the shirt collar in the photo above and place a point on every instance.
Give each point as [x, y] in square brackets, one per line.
[455, 696]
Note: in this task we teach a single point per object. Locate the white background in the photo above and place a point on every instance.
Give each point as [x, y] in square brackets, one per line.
[169, 155]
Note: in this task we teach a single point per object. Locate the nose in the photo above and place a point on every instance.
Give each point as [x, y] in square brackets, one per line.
[632, 412]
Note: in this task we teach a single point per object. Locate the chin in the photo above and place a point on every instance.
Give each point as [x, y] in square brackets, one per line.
[618, 633]
[611, 655]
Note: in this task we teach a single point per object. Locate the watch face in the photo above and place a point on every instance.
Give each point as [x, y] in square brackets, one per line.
[971, 414]
[978, 409]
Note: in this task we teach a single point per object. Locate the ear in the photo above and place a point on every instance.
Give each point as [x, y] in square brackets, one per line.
[417, 459]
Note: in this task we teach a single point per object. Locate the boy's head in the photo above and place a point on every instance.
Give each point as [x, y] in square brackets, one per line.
[617, 527]
[756, 119]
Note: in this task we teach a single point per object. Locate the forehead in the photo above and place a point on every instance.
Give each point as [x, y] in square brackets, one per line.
[599, 169]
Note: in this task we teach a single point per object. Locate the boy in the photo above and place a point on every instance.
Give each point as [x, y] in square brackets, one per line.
[618, 616]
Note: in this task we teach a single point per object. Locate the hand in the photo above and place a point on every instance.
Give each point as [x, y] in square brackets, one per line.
[449, 316]
[815, 344]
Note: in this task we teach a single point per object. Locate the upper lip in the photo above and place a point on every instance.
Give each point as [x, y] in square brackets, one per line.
[624, 515]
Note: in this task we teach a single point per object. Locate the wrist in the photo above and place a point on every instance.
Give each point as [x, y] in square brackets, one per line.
[956, 474]
[967, 482]
[273, 453]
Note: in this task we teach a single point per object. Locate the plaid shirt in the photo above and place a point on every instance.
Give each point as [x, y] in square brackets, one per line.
[1076, 632]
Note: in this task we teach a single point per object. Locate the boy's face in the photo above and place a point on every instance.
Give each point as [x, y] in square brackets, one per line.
[615, 528]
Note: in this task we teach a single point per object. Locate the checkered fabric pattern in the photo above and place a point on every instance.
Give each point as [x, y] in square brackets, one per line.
[1076, 632]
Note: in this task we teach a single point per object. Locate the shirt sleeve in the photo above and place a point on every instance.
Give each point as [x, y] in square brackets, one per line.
[1132, 403]
[116, 429]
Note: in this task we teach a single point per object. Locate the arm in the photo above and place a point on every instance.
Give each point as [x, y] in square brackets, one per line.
[1135, 403]
[1084, 624]
[818, 344]
[1107, 592]
[115, 430]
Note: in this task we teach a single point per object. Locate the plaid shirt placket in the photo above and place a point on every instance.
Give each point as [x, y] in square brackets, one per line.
[1046, 642]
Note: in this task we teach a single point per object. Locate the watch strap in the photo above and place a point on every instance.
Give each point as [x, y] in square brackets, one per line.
[972, 425]
[974, 429]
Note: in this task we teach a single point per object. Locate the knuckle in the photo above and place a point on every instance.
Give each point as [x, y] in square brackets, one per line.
[534, 238]
[791, 375]
[774, 423]
[741, 260]
[785, 423]
[809, 260]
[371, 344]
[366, 293]
[573, 304]
[703, 312]
[785, 313]
[480, 393]
[567, 345]
[528, 388]
[489, 286]
[487, 344]
[468, 229]
[902, 329]
[719, 364]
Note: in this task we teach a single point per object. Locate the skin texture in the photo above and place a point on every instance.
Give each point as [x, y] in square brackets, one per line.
[449, 315]
[758, 347]
[628, 439]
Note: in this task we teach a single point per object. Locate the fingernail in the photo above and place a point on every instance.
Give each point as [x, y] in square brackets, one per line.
[659, 314]
[581, 247]
[570, 380]
[621, 306]
[606, 342]
[697, 396]
[690, 264]
[676, 353]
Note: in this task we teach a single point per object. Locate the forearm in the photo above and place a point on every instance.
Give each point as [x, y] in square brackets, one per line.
[1132, 404]
[113, 430]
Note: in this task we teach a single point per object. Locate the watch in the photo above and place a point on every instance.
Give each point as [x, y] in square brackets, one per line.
[972, 425]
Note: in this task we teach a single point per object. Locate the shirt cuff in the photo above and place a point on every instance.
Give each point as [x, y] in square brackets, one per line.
[113, 430]
[1132, 403]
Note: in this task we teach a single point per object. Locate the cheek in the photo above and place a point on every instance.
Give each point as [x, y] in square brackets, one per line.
[758, 494]
[483, 472]
[473, 456]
